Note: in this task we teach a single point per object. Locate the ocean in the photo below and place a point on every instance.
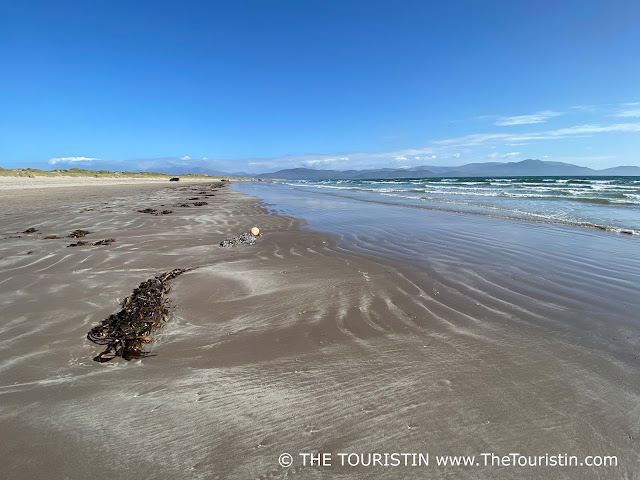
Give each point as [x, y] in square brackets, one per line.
[608, 203]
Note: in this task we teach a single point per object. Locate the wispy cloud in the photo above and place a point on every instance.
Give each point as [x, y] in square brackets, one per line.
[588, 129]
[503, 155]
[586, 108]
[56, 160]
[355, 160]
[479, 139]
[445, 150]
[629, 113]
[539, 117]
[325, 162]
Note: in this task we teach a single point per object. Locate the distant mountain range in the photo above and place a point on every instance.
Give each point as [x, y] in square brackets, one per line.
[525, 168]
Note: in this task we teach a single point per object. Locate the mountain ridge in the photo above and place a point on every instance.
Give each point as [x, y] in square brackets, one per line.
[529, 167]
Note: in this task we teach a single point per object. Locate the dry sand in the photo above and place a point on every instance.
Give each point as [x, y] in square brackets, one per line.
[292, 345]
[28, 183]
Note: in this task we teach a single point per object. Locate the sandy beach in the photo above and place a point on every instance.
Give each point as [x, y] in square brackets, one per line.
[294, 345]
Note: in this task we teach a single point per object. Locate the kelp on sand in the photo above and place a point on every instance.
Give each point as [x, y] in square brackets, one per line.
[144, 311]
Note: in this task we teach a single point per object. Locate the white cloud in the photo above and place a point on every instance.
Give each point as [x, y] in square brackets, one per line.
[480, 139]
[54, 161]
[503, 155]
[586, 108]
[539, 117]
[585, 129]
[634, 112]
[446, 151]
[356, 160]
[324, 162]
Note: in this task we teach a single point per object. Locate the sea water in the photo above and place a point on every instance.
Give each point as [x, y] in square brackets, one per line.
[611, 203]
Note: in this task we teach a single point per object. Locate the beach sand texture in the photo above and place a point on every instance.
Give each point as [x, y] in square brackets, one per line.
[292, 345]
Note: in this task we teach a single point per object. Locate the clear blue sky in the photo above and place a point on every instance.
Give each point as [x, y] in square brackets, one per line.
[259, 85]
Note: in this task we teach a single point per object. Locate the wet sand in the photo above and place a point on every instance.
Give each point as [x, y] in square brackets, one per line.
[293, 345]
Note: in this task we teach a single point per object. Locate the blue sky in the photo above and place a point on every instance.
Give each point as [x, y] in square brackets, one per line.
[261, 85]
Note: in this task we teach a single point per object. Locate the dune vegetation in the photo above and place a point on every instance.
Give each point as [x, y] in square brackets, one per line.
[81, 172]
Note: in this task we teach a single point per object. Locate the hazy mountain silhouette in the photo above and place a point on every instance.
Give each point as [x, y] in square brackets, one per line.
[526, 168]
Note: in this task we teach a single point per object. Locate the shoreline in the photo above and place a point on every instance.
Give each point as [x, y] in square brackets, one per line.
[293, 345]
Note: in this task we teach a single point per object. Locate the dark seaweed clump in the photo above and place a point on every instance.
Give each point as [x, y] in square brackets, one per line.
[106, 241]
[144, 311]
[153, 211]
[78, 234]
[82, 243]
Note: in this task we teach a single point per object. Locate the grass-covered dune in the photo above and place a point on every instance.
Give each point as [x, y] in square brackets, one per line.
[81, 172]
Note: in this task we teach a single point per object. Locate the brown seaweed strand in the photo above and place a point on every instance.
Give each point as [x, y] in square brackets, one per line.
[125, 333]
